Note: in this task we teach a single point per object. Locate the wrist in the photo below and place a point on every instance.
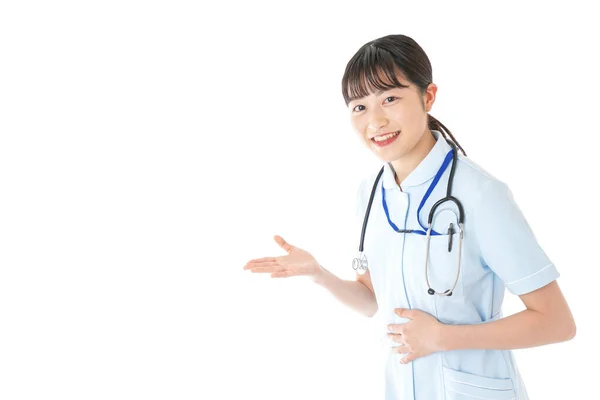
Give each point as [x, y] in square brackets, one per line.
[445, 341]
[318, 276]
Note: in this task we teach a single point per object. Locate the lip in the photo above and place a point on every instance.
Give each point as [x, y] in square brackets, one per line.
[383, 134]
[386, 142]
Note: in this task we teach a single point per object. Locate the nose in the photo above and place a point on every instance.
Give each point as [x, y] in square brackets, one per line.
[377, 121]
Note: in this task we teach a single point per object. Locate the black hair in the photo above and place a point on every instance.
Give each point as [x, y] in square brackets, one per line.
[375, 65]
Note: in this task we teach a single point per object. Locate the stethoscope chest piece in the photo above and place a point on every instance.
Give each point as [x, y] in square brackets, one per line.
[360, 264]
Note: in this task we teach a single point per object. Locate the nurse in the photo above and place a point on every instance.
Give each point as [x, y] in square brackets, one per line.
[441, 347]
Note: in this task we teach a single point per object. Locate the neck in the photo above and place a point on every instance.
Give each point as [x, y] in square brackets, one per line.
[405, 165]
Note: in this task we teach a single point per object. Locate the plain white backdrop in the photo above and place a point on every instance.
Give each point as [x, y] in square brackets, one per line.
[148, 150]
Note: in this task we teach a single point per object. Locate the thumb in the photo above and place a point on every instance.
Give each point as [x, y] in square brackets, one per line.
[285, 245]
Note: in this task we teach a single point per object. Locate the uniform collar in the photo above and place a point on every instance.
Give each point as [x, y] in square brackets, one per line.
[426, 169]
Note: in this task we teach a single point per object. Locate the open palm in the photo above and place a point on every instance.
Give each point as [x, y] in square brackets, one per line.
[297, 262]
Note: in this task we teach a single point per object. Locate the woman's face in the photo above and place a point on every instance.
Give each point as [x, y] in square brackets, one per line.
[401, 110]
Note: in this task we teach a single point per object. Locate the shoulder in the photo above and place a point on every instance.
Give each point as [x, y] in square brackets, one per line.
[368, 179]
[475, 183]
[474, 175]
[365, 187]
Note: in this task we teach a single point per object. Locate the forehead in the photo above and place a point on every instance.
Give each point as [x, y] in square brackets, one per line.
[369, 82]
[376, 93]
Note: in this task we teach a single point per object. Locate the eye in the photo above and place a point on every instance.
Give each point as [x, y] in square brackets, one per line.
[391, 97]
[360, 105]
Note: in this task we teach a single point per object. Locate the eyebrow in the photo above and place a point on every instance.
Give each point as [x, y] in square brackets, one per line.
[378, 93]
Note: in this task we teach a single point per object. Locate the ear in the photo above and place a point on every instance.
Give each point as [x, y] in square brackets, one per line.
[429, 96]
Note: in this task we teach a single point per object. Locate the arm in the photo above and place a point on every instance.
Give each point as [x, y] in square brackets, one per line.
[546, 320]
[358, 295]
[509, 247]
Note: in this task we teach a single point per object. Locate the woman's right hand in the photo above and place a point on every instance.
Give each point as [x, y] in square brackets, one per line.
[297, 262]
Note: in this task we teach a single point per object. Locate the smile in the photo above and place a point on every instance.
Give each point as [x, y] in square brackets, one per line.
[385, 139]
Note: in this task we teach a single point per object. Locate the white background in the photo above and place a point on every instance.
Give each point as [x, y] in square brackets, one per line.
[148, 150]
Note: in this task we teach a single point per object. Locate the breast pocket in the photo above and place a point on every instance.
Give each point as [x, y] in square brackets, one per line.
[441, 275]
[442, 264]
[463, 386]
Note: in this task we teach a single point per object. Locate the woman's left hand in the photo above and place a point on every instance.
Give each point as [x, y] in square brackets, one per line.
[420, 337]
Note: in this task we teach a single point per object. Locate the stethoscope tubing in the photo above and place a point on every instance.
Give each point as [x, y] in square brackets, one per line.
[360, 263]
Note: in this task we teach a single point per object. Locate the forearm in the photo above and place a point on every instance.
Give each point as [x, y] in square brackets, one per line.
[352, 293]
[527, 328]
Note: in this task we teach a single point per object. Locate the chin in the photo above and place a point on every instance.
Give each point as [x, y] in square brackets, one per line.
[389, 155]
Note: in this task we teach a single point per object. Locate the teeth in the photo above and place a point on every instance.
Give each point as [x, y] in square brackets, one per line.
[382, 138]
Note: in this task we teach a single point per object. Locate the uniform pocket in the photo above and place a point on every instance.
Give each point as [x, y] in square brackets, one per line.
[442, 266]
[464, 386]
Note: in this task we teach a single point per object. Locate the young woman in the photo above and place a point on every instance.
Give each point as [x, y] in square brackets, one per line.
[442, 240]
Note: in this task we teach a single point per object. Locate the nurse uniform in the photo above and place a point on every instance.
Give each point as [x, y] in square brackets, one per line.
[499, 250]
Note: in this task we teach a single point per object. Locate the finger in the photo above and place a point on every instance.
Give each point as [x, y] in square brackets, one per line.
[268, 269]
[396, 337]
[404, 312]
[264, 259]
[398, 329]
[408, 358]
[283, 274]
[285, 245]
[402, 349]
[252, 265]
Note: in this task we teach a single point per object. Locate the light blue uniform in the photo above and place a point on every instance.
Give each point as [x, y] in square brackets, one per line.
[499, 250]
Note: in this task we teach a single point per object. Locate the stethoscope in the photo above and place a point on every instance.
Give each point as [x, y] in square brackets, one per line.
[360, 263]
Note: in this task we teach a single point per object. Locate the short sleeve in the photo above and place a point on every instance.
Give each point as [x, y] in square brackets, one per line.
[507, 243]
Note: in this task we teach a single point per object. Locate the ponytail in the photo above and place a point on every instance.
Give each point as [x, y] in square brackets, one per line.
[434, 124]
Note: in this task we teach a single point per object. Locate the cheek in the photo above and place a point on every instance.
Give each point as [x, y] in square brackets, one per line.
[417, 116]
[359, 128]
[364, 140]
[356, 124]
